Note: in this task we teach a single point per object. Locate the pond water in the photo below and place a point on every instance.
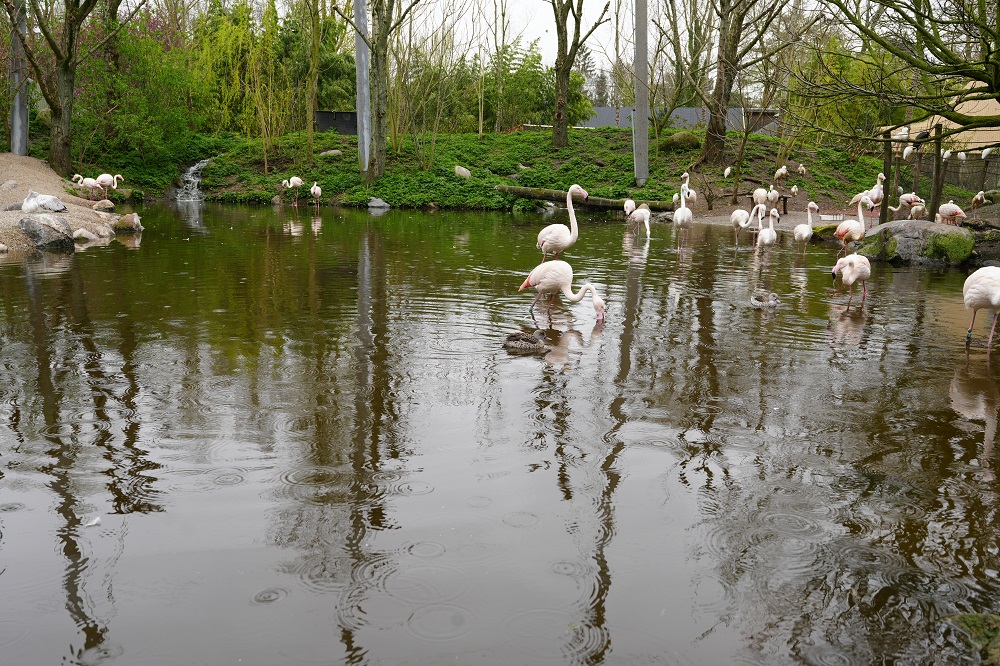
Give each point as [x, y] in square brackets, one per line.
[305, 445]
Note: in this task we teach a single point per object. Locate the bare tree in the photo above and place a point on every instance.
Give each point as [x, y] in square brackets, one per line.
[566, 50]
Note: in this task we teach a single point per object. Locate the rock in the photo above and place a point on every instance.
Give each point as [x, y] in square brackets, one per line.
[3, 249]
[128, 224]
[48, 232]
[8, 185]
[680, 141]
[982, 630]
[462, 172]
[104, 204]
[521, 166]
[83, 236]
[42, 203]
[276, 200]
[918, 243]
[332, 153]
[14, 206]
[375, 202]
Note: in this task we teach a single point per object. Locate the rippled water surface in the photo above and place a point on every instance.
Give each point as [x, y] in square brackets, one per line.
[306, 445]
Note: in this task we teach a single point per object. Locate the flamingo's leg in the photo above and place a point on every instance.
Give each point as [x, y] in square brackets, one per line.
[864, 293]
[968, 334]
[989, 343]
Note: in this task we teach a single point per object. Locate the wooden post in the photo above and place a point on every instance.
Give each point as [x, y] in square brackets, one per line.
[640, 116]
[982, 174]
[883, 209]
[916, 170]
[938, 175]
[19, 85]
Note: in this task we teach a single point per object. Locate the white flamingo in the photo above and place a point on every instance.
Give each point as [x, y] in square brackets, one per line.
[951, 213]
[773, 196]
[850, 230]
[555, 238]
[90, 184]
[640, 216]
[802, 169]
[683, 217]
[781, 173]
[553, 277]
[981, 291]
[741, 219]
[317, 193]
[853, 268]
[977, 202]
[629, 206]
[803, 232]
[768, 237]
[106, 180]
[760, 196]
[295, 182]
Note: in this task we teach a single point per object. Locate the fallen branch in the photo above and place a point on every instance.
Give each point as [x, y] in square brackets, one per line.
[593, 202]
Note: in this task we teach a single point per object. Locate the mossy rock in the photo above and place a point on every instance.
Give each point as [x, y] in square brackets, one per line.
[983, 631]
[953, 248]
[825, 231]
[680, 141]
[919, 243]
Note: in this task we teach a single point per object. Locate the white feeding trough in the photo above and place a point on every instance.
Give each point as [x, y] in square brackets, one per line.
[832, 217]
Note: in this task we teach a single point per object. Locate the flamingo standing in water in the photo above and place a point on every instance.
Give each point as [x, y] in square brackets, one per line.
[683, 217]
[106, 180]
[629, 206]
[854, 268]
[803, 232]
[768, 237]
[641, 216]
[553, 277]
[741, 219]
[555, 238]
[295, 182]
[317, 193]
[981, 291]
[849, 230]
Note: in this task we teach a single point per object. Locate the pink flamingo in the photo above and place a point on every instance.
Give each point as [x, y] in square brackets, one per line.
[552, 277]
[295, 182]
[557, 237]
[982, 292]
[106, 180]
[854, 268]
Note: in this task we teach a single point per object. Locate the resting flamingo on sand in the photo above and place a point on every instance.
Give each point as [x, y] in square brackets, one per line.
[803, 232]
[849, 230]
[640, 216]
[982, 292]
[553, 277]
[555, 238]
[295, 182]
[106, 180]
[317, 193]
[853, 268]
[741, 219]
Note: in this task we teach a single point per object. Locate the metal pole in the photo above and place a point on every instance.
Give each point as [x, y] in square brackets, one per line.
[938, 174]
[361, 57]
[640, 117]
[883, 211]
[19, 85]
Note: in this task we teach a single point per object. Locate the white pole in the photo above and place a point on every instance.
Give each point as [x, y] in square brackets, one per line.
[361, 56]
[640, 117]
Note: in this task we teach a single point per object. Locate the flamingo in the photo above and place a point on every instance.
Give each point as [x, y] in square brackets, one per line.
[853, 268]
[782, 172]
[762, 298]
[640, 216]
[795, 190]
[849, 230]
[950, 213]
[875, 194]
[907, 201]
[729, 170]
[106, 180]
[629, 207]
[557, 237]
[295, 182]
[981, 291]
[768, 237]
[90, 184]
[978, 201]
[946, 155]
[908, 153]
[520, 342]
[683, 217]
[917, 210]
[740, 219]
[317, 193]
[986, 153]
[962, 156]
[802, 169]
[552, 277]
[803, 232]
[773, 196]
[760, 196]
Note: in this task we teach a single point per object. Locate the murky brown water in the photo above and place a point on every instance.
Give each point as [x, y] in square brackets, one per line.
[306, 446]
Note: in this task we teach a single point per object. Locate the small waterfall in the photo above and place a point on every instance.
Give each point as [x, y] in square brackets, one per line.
[191, 180]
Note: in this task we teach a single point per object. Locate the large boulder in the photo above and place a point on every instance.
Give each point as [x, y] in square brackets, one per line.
[128, 224]
[918, 243]
[680, 141]
[48, 232]
[42, 203]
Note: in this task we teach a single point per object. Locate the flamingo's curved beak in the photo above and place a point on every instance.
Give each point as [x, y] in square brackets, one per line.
[525, 284]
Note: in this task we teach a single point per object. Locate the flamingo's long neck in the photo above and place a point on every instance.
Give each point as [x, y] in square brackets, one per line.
[567, 291]
[684, 192]
[573, 229]
[809, 217]
[861, 215]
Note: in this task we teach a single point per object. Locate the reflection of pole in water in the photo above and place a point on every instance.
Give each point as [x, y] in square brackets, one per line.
[977, 398]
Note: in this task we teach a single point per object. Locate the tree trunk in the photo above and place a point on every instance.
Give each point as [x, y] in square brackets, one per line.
[715, 133]
[560, 121]
[380, 104]
[62, 114]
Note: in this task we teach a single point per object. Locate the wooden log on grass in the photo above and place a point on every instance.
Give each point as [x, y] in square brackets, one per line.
[594, 202]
